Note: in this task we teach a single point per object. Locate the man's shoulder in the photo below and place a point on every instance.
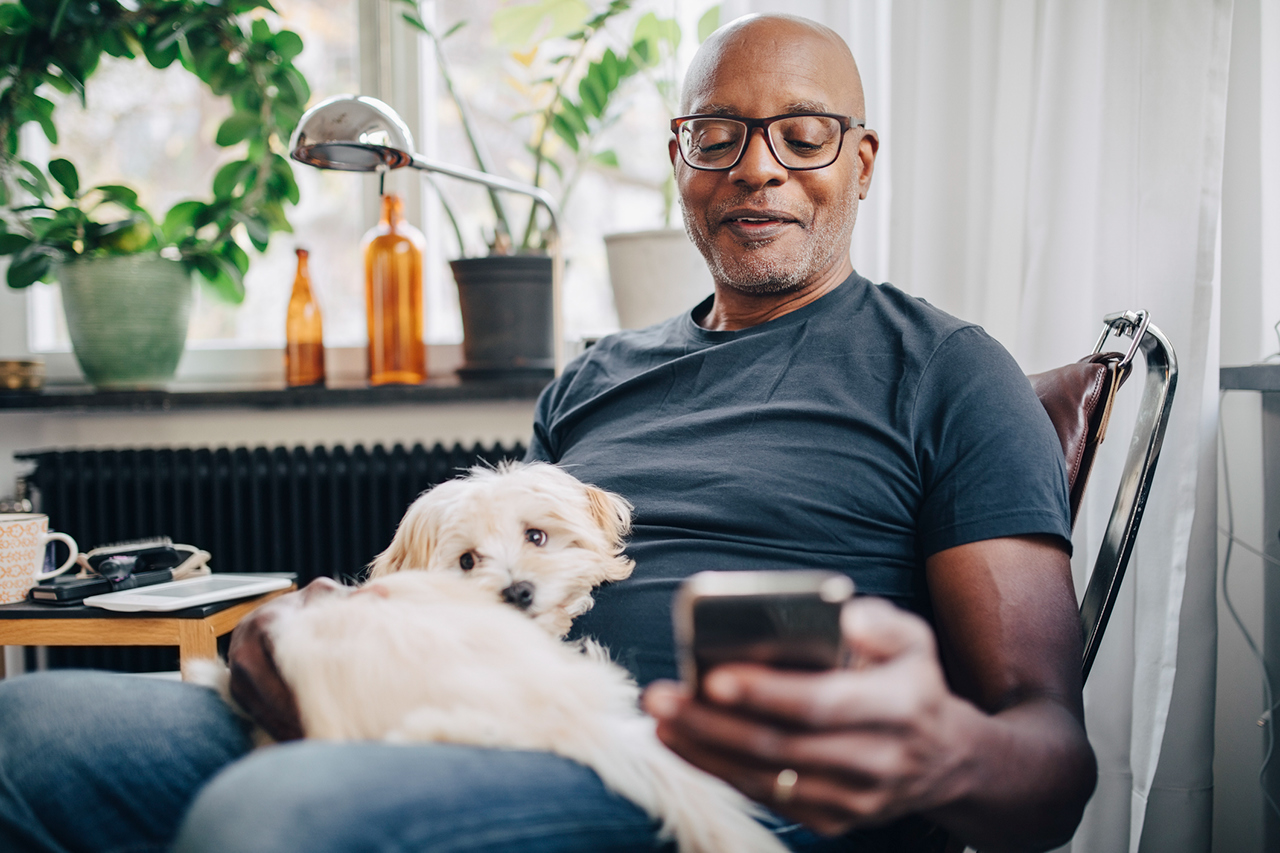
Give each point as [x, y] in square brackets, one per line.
[894, 308]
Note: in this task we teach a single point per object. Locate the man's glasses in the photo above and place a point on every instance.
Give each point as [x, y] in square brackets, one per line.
[799, 141]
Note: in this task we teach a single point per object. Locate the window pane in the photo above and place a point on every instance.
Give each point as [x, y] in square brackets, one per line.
[153, 130]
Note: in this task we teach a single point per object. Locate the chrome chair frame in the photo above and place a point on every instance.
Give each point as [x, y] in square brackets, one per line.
[1139, 469]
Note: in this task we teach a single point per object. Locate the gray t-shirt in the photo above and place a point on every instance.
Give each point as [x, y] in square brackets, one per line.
[861, 433]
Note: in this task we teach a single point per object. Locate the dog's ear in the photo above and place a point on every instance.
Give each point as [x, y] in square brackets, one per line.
[612, 513]
[411, 547]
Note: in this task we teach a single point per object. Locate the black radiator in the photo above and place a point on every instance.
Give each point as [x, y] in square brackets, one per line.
[319, 511]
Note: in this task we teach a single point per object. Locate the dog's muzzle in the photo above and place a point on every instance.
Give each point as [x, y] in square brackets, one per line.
[519, 594]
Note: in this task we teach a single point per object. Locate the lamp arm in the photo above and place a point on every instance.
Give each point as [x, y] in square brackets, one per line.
[540, 196]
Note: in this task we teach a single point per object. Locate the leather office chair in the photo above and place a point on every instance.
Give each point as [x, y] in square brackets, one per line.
[1078, 398]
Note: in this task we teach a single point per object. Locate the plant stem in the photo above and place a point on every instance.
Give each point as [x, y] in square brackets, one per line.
[539, 150]
[499, 211]
[448, 211]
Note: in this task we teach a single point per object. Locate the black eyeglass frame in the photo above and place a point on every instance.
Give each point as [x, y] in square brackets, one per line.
[847, 123]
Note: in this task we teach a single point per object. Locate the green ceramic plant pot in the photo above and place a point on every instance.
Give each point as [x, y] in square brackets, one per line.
[127, 316]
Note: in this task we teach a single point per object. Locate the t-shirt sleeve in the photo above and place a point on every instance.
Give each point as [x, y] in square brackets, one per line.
[990, 460]
[540, 444]
[553, 400]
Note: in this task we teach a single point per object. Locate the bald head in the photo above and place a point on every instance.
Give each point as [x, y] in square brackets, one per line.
[756, 45]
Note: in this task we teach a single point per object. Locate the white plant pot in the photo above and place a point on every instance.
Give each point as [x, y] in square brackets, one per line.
[655, 275]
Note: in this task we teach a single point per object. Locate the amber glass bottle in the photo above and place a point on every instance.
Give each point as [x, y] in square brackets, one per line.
[393, 298]
[304, 336]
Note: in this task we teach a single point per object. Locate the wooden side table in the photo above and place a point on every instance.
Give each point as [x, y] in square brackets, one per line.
[195, 631]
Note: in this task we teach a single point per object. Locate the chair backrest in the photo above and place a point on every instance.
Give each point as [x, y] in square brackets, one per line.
[1078, 398]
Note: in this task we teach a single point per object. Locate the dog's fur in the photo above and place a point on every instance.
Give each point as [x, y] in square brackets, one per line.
[423, 656]
[442, 655]
[487, 515]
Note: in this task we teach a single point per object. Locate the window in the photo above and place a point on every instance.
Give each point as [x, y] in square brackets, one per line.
[137, 114]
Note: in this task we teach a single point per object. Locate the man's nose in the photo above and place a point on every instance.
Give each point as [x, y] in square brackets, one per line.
[758, 166]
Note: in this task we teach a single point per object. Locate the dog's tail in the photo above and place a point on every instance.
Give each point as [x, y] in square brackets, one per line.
[700, 812]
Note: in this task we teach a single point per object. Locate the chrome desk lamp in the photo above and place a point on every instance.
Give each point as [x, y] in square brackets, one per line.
[353, 133]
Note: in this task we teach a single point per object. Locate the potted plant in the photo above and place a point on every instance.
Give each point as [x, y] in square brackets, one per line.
[126, 274]
[572, 68]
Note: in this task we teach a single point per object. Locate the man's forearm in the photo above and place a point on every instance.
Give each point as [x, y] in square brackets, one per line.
[1024, 778]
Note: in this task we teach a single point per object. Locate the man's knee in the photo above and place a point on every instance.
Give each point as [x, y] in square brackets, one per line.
[103, 761]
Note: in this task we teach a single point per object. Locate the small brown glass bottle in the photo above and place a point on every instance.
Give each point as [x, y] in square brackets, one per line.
[393, 298]
[304, 336]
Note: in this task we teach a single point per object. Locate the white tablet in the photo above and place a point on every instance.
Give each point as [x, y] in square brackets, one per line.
[178, 595]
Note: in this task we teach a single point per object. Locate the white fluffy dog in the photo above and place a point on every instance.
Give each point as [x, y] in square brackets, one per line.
[530, 533]
[443, 655]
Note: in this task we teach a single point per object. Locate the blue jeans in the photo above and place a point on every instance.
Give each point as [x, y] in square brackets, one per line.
[93, 761]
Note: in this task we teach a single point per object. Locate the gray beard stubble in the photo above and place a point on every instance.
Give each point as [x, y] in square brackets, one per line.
[754, 272]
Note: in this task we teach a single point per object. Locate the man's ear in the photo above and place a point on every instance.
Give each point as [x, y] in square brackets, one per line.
[673, 151]
[868, 146]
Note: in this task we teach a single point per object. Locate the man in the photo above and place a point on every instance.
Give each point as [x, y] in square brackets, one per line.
[801, 418]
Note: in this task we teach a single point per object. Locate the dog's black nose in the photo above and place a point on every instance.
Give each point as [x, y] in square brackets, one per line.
[520, 594]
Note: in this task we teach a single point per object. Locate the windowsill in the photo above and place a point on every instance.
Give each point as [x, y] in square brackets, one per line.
[184, 396]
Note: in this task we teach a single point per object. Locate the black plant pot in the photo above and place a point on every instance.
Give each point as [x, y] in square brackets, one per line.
[507, 316]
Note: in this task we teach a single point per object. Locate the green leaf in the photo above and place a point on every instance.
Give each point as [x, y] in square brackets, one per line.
[160, 57]
[117, 194]
[283, 172]
[518, 26]
[564, 131]
[40, 188]
[287, 44]
[231, 251]
[297, 85]
[180, 220]
[708, 23]
[14, 19]
[222, 277]
[230, 176]
[453, 29]
[65, 174]
[609, 69]
[11, 243]
[606, 158]
[39, 110]
[573, 116]
[594, 97]
[259, 232]
[237, 128]
[414, 21]
[261, 31]
[26, 271]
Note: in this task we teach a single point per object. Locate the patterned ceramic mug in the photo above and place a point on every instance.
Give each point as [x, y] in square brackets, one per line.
[23, 536]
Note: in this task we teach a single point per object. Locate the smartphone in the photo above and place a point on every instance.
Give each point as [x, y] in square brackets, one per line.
[786, 619]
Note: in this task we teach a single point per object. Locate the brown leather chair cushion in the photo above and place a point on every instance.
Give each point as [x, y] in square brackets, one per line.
[1078, 399]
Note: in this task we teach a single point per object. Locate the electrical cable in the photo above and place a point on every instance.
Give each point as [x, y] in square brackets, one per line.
[1266, 720]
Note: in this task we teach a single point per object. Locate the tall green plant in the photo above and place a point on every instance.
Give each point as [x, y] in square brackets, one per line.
[575, 67]
[47, 217]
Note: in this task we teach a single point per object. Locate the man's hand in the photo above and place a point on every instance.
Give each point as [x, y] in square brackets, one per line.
[994, 751]
[256, 683]
[867, 744]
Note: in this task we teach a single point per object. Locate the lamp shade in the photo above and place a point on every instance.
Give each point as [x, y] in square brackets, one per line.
[352, 133]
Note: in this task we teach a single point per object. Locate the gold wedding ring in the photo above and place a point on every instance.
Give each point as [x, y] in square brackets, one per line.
[784, 786]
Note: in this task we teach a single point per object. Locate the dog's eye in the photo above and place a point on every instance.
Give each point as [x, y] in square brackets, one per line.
[467, 561]
[536, 536]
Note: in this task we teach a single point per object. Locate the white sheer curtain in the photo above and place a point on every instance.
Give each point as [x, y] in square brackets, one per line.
[1053, 162]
